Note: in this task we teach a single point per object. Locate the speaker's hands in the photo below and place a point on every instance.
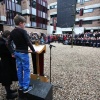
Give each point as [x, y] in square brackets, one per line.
[30, 51]
[13, 55]
[36, 51]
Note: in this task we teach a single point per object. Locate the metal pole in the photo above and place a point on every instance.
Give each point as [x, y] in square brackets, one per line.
[50, 62]
[73, 7]
[72, 35]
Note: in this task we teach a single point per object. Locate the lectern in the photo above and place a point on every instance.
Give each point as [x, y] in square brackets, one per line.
[42, 89]
[38, 63]
[38, 59]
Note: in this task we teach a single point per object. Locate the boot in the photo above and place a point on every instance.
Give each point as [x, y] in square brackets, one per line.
[11, 96]
[13, 91]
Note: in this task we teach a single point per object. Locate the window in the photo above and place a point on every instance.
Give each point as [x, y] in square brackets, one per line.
[17, 1]
[78, 1]
[87, 0]
[88, 10]
[34, 4]
[87, 22]
[76, 23]
[53, 7]
[13, 0]
[43, 9]
[81, 2]
[77, 11]
[33, 18]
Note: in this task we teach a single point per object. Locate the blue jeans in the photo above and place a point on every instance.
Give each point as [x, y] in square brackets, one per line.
[23, 70]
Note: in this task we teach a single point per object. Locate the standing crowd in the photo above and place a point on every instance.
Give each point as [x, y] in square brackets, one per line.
[84, 39]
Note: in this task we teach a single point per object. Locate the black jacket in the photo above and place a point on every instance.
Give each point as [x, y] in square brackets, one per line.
[8, 72]
[21, 40]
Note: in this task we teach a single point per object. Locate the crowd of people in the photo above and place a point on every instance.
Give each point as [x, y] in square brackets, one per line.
[45, 39]
[84, 39]
[88, 39]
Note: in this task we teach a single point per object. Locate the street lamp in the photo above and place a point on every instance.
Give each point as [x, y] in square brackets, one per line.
[73, 7]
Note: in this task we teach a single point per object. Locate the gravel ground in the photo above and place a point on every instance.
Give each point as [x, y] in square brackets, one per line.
[76, 70]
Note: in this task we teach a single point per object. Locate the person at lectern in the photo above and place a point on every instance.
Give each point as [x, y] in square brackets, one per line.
[8, 72]
[22, 41]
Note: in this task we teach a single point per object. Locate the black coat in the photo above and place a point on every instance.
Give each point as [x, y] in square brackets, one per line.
[8, 72]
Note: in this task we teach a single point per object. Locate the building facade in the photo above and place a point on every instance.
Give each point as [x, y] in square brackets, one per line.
[84, 15]
[60, 16]
[88, 15]
[52, 16]
[35, 12]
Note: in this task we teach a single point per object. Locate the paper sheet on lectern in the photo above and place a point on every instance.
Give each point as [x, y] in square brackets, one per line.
[38, 48]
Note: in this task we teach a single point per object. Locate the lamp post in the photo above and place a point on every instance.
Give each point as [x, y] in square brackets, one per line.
[74, 15]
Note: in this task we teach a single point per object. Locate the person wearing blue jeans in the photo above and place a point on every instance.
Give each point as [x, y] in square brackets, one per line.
[22, 41]
[22, 61]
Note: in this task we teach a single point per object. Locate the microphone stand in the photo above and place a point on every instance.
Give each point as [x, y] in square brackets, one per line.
[50, 46]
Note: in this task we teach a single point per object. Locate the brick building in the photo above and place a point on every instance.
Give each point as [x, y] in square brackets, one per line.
[35, 12]
[85, 14]
[88, 15]
[60, 16]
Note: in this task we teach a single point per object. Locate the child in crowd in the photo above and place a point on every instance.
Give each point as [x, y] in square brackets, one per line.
[21, 40]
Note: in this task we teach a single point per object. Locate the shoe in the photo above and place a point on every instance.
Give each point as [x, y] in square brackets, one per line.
[28, 89]
[13, 91]
[20, 88]
[11, 96]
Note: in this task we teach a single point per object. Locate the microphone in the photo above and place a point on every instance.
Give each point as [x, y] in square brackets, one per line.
[52, 45]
